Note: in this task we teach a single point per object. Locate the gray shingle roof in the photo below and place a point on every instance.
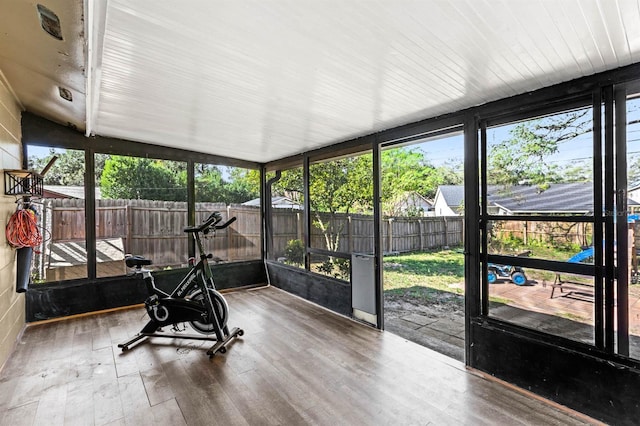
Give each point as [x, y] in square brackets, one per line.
[559, 197]
[452, 194]
[70, 191]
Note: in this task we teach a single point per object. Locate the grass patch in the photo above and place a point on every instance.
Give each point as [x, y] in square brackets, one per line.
[499, 300]
[572, 317]
[438, 270]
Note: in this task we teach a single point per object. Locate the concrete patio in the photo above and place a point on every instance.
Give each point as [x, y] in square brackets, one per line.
[567, 314]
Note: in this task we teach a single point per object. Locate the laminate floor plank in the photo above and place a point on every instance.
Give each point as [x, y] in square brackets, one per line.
[247, 399]
[21, 360]
[276, 408]
[193, 402]
[168, 413]
[19, 416]
[218, 400]
[107, 405]
[26, 390]
[157, 386]
[297, 364]
[79, 406]
[51, 406]
[100, 335]
[135, 404]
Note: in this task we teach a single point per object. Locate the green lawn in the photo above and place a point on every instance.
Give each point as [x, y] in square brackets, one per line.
[440, 270]
[428, 278]
[444, 271]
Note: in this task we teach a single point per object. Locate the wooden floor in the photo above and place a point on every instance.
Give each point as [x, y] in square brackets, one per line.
[296, 364]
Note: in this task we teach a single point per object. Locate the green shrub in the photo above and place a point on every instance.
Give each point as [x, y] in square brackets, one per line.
[294, 252]
[329, 266]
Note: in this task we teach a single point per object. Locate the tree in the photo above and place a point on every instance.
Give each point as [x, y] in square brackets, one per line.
[633, 176]
[579, 171]
[209, 184]
[406, 170]
[345, 185]
[339, 186]
[526, 156]
[242, 185]
[290, 185]
[142, 178]
[68, 170]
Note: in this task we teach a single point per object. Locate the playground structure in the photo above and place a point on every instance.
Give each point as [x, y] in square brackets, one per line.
[574, 287]
[577, 288]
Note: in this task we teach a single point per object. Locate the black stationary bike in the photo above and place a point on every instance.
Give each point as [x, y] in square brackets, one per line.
[194, 300]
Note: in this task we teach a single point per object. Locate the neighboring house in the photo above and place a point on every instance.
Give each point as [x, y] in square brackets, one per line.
[559, 198]
[411, 204]
[449, 200]
[278, 202]
[62, 191]
[633, 192]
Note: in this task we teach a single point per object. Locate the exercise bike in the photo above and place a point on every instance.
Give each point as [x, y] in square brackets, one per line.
[194, 299]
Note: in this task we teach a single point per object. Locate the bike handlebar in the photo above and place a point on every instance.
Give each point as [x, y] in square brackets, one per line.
[227, 223]
[211, 222]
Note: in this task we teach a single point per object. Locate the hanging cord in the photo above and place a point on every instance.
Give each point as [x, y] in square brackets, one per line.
[22, 229]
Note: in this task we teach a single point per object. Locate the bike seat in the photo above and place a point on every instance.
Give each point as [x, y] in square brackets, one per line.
[136, 261]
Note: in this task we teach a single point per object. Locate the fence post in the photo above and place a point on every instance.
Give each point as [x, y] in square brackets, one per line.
[420, 245]
[390, 233]
[129, 219]
[446, 232]
[350, 233]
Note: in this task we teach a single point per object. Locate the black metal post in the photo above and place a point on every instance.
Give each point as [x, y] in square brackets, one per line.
[483, 224]
[90, 211]
[191, 204]
[472, 293]
[377, 235]
[598, 220]
[609, 228]
[307, 212]
[268, 211]
[622, 226]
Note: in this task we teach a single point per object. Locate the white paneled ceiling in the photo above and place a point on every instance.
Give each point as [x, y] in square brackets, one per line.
[264, 79]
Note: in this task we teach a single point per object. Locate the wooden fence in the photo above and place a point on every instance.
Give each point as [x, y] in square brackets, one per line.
[356, 235]
[154, 229]
[579, 233]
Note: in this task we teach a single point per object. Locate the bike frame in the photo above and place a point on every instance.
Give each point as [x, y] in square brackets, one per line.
[199, 275]
[209, 303]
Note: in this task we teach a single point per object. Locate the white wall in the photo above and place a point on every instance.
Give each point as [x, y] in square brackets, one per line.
[12, 309]
[441, 208]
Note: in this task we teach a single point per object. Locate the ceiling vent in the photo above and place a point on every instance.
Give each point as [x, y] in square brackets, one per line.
[50, 22]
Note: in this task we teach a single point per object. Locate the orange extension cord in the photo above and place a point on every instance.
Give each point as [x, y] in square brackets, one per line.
[22, 229]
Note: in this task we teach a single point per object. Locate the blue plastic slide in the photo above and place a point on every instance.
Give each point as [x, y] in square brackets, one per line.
[585, 254]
